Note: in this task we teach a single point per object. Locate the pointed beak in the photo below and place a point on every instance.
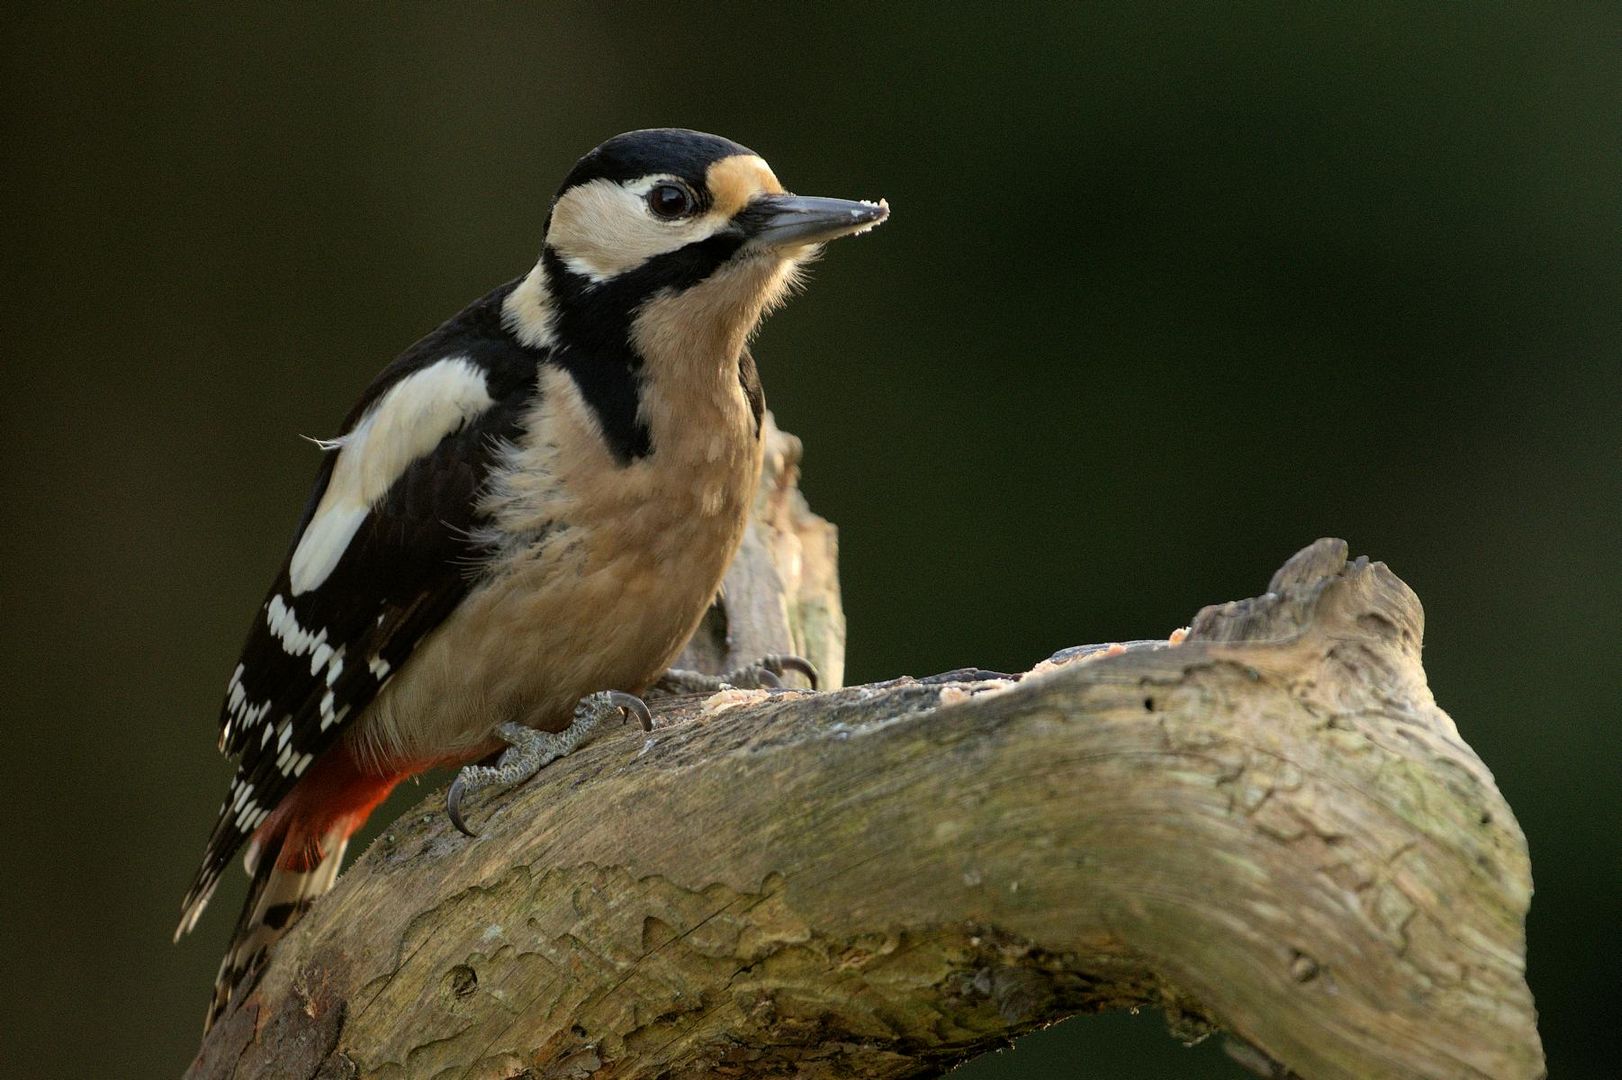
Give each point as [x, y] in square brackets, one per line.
[779, 221]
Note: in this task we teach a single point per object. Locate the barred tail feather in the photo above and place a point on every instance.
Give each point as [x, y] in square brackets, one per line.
[282, 890]
[293, 856]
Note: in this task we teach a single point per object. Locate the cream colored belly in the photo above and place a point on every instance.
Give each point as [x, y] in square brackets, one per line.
[595, 615]
[603, 570]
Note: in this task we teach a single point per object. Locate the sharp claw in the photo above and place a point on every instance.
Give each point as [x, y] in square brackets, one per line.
[768, 679]
[633, 706]
[780, 664]
[453, 807]
[529, 751]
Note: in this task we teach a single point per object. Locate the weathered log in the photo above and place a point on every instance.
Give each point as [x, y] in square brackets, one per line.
[1270, 828]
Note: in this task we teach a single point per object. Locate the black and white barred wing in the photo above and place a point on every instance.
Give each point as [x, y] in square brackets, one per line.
[383, 556]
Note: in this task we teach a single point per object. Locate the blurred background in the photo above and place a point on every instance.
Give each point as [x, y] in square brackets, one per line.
[1169, 291]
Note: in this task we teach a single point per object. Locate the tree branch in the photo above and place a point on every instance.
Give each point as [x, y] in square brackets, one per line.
[1270, 828]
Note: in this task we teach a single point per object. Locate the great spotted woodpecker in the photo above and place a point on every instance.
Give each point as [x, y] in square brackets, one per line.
[521, 521]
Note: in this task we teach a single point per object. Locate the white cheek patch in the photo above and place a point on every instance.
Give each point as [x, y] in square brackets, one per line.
[404, 425]
[602, 229]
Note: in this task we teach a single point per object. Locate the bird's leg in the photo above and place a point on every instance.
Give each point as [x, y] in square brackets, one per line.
[529, 751]
[764, 674]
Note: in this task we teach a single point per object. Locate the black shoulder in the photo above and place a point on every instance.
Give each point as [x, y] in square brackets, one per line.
[478, 333]
[316, 657]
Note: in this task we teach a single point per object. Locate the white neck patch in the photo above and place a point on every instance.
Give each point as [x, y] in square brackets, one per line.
[529, 313]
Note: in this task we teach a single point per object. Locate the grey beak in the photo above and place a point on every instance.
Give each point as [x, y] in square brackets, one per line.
[775, 221]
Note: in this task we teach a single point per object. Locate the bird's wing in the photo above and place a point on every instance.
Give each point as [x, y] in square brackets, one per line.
[384, 554]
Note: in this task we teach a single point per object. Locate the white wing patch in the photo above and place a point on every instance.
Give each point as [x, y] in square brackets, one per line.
[406, 423]
[324, 543]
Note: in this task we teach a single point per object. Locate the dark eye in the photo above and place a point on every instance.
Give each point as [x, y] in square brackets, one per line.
[670, 200]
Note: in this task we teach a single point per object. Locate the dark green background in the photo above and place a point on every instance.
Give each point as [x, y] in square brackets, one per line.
[1169, 291]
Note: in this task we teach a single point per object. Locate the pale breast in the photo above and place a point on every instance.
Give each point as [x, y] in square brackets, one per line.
[602, 572]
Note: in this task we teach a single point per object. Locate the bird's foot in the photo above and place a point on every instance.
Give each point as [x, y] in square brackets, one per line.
[764, 674]
[529, 751]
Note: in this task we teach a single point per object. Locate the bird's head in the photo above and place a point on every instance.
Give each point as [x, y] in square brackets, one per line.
[675, 229]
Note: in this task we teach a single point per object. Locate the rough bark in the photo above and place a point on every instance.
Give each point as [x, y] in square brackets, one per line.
[1269, 828]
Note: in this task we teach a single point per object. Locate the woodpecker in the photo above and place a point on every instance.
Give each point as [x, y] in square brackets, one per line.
[520, 523]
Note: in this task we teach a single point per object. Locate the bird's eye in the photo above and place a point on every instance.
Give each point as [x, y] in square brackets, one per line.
[670, 201]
